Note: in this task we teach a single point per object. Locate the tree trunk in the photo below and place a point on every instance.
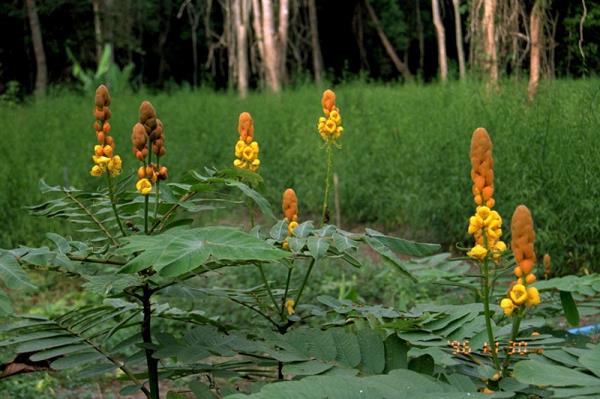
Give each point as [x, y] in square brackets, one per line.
[282, 38]
[420, 36]
[491, 62]
[441, 40]
[534, 59]
[459, 40]
[400, 66]
[317, 58]
[240, 12]
[41, 76]
[258, 34]
[97, 29]
[109, 27]
[270, 47]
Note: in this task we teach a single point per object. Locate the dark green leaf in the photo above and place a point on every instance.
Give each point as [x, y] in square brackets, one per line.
[317, 246]
[570, 308]
[405, 247]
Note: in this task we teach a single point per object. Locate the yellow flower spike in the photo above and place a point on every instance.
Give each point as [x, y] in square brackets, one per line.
[115, 165]
[518, 294]
[330, 126]
[96, 171]
[478, 252]
[144, 186]
[246, 150]
[533, 297]
[101, 161]
[507, 306]
[289, 305]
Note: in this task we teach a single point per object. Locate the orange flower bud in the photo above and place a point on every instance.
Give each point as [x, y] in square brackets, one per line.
[163, 174]
[149, 170]
[139, 155]
[518, 271]
[523, 237]
[110, 141]
[141, 172]
[246, 127]
[482, 168]
[99, 114]
[108, 151]
[96, 126]
[328, 101]
[530, 278]
[290, 204]
[106, 127]
[102, 96]
[100, 137]
[147, 112]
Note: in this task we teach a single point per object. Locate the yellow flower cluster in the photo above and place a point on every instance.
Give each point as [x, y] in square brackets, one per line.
[486, 224]
[289, 305]
[330, 126]
[246, 149]
[104, 158]
[486, 228]
[523, 236]
[290, 212]
[148, 133]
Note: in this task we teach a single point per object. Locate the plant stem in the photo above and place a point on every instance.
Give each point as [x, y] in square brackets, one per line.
[171, 211]
[264, 277]
[146, 214]
[91, 216]
[285, 293]
[327, 181]
[487, 313]
[111, 194]
[157, 188]
[516, 323]
[310, 267]
[151, 363]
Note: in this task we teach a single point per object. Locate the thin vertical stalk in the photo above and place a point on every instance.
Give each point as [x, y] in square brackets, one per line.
[516, 323]
[151, 363]
[310, 267]
[285, 293]
[486, 310]
[111, 194]
[157, 189]
[327, 180]
[146, 214]
[264, 277]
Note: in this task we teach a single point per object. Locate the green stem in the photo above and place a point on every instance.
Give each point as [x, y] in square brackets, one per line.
[151, 363]
[146, 214]
[310, 267]
[516, 323]
[157, 189]
[285, 293]
[111, 194]
[487, 313]
[264, 277]
[327, 180]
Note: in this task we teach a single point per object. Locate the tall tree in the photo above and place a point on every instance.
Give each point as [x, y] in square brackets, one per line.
[41, 75]
[317, 58]
[241, 15]
[535, 30]
[441, 40]
[489, 9]
[96, 6]
[459, 40]
[398, 63]
[194, 20]
[270, 50]
[282, 38]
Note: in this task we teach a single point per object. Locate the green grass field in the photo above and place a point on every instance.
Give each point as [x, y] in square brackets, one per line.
[404, 164]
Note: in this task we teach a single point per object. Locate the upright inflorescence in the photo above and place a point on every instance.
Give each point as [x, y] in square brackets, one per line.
[523, 237]
[486, 224]
[330, 126]
[547, 266]
[482, 168]
[246, 149]
[290, 212]
[104, 157]
[148, 138]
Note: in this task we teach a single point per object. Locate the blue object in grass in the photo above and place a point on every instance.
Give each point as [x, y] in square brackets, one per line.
[586, 330]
